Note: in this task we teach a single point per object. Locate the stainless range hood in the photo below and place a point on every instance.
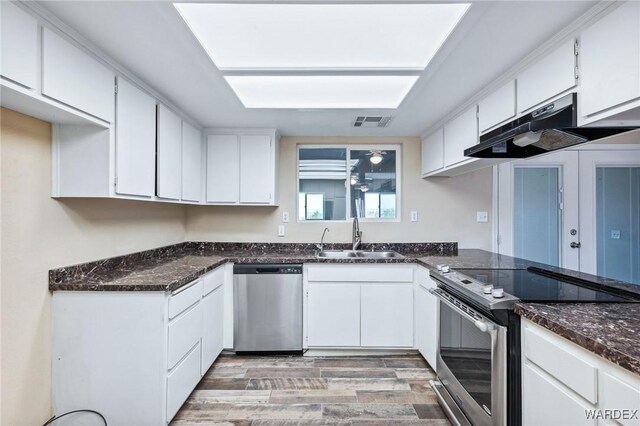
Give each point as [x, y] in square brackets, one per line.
[549, 128]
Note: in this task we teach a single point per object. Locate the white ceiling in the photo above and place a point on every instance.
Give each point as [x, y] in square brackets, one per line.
[151, 40]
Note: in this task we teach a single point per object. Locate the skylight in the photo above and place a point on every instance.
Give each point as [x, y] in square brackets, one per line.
[339, 91]
[312, 43]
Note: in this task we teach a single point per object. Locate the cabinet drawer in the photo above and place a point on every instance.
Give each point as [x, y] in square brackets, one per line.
[184, 333]
[181, 382]
[213, 280]
[547, 403]
[548, 353]
[71, 76]
[184, 298]
[368, 273]
[615, 394]
[424, 279]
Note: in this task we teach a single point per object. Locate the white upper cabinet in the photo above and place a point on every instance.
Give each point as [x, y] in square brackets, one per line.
[459, 134]
[498, 107]
[191, 163]
[610, 60]
[135, 141]
[256, 169]
[71, 76]
[169, 154]
[433, 152]
[19, 45]
[548, 77]
[241, 167]
[223, 169]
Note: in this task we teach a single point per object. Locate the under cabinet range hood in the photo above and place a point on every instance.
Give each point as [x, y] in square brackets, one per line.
[549, 128]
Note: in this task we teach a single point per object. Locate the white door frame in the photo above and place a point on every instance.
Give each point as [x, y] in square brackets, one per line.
[589, 160]
[567, 162]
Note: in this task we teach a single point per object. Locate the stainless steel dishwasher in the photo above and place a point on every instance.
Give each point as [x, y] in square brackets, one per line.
[267, 308]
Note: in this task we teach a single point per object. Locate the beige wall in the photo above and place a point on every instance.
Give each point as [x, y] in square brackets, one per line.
[39, 233]
[447, 206]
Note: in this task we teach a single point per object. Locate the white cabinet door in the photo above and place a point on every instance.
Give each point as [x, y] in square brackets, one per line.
[71, 76]
[498, 107]
[256, 169]
[426, 308]
[547, 403]
[333, 315]
[387, 315]
[169, 154]
[191, 163]
[19, 45]
[212, 327]
[135, 141]
[459, 134]
[433, 152]
[550, 76]
[610, 60]
[223, 169]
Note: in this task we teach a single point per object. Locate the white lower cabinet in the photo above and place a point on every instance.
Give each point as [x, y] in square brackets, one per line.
[134, 356]
[426, 317]
[562, 382]
[212, 327]
[386, 315]
[546, 402]
[333, 314]
[359, 306]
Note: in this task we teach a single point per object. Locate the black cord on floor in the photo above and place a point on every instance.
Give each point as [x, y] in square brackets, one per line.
[54, 418]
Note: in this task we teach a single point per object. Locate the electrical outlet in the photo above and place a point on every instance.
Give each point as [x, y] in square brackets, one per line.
[280, 230]
[482, 217]
[285, 217]
[414, 216]
[615, 234]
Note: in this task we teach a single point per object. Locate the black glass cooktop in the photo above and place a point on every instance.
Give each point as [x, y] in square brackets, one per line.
[529, 286]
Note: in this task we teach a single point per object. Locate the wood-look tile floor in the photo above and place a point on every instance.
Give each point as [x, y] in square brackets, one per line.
[270, 391]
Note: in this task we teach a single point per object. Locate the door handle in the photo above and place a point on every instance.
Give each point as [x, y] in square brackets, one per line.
[575, 245]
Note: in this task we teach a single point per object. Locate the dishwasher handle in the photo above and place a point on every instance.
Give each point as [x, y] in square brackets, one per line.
[268, 270]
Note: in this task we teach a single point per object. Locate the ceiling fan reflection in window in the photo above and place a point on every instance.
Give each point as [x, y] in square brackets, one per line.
[375, 156]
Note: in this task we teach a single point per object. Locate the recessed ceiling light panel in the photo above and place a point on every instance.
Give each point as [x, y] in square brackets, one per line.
[358, 92]
[321, 36]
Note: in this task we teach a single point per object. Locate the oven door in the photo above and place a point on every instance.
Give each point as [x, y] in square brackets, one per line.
[471, 362]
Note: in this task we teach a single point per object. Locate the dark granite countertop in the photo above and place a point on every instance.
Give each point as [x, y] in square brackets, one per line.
[610, 330]
[169, 268]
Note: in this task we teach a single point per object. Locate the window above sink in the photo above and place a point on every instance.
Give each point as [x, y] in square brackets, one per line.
[338, 183]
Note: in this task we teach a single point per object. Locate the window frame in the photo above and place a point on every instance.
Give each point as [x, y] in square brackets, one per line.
[358, 147]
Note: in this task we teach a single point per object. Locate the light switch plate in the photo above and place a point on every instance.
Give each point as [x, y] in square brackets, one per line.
[414, 216]
[482, 217]
[285, 217]
[280, 230]
[615, 234]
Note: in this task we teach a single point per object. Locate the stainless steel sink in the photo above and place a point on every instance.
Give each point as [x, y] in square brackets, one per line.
[337, 254]
[351, 254]
[380, 255]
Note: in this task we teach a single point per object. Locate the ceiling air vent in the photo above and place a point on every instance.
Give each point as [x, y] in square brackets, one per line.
[373, 121]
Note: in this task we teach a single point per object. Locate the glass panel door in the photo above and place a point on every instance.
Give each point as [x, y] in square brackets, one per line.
[618, 223]
[536, 214]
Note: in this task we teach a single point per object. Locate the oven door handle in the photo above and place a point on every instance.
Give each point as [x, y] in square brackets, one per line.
[483, 326]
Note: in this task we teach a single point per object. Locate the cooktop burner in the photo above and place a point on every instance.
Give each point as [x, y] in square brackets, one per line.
[533, 287]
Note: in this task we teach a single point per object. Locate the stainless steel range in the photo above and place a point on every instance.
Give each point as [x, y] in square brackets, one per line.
[478, 362]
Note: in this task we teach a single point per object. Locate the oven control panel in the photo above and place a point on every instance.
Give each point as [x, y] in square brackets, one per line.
[483, 293]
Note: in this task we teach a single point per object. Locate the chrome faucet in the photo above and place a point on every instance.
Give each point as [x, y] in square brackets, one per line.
[357, 234]
[321, 245]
